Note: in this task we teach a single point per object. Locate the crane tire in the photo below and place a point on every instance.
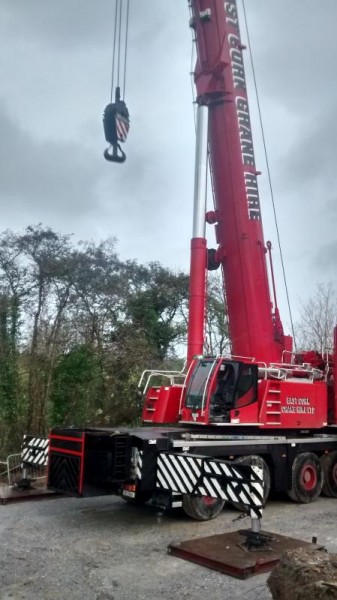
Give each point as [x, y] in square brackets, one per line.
[329, 468]
[257, 461]
[307, 478]
[202, 508]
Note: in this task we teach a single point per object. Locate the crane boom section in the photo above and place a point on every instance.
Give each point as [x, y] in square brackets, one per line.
[221, 85]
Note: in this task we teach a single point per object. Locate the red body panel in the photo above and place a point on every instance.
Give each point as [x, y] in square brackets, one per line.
[162, 404]
[280, 404]
[293, 404]
[220, 82]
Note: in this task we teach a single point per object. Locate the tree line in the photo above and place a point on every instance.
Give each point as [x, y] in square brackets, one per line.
[78, 325]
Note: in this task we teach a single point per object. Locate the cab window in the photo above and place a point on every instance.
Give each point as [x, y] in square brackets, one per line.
[246, 388]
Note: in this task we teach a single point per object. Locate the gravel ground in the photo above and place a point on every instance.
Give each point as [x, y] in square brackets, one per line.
[105, 549]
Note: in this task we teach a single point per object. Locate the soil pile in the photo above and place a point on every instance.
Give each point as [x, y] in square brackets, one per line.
[305, 574]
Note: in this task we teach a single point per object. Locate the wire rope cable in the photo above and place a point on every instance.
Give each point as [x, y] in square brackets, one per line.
[119, 40]
[120, 36]
[268, 171]
[126, 44]
[114, 50]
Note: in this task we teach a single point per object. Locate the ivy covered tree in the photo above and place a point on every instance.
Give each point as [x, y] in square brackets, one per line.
[156, 306]
[75, 396]
[77, 327]
[10, 392]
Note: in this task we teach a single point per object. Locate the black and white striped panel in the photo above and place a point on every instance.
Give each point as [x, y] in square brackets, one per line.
[202, 476]
[178, 472]
[34, 451]
[256, 493]
[139, 464]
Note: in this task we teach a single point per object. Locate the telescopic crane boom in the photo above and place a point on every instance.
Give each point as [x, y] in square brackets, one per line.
[255, 329]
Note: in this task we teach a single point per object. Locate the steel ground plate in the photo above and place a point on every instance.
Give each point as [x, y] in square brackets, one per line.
[13, 494]
[226, 553]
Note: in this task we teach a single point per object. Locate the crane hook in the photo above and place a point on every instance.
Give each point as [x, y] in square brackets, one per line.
[116, 124]
[111, 153]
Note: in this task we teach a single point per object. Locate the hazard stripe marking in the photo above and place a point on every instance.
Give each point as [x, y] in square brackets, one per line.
[34, 451]
[203, 476]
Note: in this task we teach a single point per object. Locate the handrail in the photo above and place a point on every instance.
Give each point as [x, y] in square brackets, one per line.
[171, 375]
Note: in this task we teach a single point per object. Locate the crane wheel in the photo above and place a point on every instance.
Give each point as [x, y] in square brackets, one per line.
[329, 467]
[307, 478]
[202, 509]
[256, 461]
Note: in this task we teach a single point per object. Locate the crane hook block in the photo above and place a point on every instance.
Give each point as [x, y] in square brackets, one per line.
[116, 124]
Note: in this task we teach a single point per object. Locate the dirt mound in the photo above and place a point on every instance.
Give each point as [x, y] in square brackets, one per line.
[305, 574]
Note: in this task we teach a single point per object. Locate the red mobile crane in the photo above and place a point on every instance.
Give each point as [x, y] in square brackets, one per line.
[270, 389]
[264, 404]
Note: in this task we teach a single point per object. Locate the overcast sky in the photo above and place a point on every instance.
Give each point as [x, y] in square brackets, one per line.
[55, 71]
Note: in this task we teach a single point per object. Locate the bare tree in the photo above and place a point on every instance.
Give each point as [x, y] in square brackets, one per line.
[216, 321]
[314, 331]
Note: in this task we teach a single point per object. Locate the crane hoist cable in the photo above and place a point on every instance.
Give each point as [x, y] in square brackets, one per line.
[116, 119]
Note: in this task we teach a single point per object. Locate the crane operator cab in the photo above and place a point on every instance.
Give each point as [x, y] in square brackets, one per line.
[221, 391]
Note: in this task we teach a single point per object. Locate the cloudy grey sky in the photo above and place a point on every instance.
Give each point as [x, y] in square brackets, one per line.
[55, 82]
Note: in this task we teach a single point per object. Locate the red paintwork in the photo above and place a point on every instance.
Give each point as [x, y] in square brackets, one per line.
[293, 404]
[66, 451]
[281, 404]
[245, 416]
[333, 387]
[308, 477]
[162, 404]
[220, 82]
[201, 416]
[78, 440]
[197, 298]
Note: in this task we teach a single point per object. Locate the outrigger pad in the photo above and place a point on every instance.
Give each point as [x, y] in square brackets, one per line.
[226, 553]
